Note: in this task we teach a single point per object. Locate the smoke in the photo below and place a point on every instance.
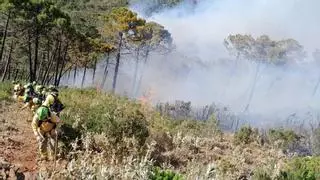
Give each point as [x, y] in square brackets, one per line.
[198, 32]
[201, 71]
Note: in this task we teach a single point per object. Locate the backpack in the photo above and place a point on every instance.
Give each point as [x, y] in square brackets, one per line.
[45, 121]
[57, 106]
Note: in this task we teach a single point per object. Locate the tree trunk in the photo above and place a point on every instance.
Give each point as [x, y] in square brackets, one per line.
[41, 67]
[84, 75]
[69, 74]
[56, 72]
[16, 74]
[46, 74]
[49, 80]
[30, 58]
[116, 70]
[142, 72]
[7, 63]
[105, 73]
[64, 59]
[135, 75]
[253, 86]
[94, 71]
[75, 74]
[36, 50]
[21, 75]
[45, 56]
[50, 59]
[9, 71]
[4, 36]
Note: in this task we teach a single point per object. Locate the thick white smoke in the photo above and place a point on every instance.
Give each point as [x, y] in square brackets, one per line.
[201, 71]
[199, 32]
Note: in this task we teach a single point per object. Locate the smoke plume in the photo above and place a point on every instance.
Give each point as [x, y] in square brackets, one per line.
[198, 31]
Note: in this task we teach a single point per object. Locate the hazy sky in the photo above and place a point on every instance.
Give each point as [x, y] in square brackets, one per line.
[199, 32]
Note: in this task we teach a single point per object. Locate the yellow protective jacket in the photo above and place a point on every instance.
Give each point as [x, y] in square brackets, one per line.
[43, 121]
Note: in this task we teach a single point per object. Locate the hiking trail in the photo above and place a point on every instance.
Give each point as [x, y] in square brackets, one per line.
[18, 146]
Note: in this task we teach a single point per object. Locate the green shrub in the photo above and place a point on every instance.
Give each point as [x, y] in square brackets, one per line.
[302, 168]
[200, 128]
[261, 174]
[6, 90]
[245, 135]
[284, 138]
[159, 174]
[116, 116]
[68, 135]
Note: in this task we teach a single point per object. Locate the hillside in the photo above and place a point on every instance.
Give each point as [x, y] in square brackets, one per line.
[109, 137]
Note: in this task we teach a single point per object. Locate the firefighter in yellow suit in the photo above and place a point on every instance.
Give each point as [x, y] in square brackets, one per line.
[18, 91]
[44, 127]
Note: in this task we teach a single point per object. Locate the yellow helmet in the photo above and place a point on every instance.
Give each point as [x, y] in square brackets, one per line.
[49, 101]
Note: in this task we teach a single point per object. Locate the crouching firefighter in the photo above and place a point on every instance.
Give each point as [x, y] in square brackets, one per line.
[44, 125]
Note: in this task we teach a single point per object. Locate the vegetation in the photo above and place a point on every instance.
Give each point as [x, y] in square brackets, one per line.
[5, 91]
[246, 135]
[284, 138]
[307, 168]
[159, 174]
[108, 136]
[44, 40]
[105, 136]
[263, 49]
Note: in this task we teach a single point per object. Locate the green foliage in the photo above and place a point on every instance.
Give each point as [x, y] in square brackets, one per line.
[261, 174]
[283, 138]
[90, 6]
[120, 20]
[153, 6]
[68, 134]
[264, 49]
[117, 117]
[207, 128]
[159, 174]
[302, 168]
[5, 91]
[246, 135]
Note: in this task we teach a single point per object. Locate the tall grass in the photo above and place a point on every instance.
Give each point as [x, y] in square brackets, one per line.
[105, 136]
[6, 90]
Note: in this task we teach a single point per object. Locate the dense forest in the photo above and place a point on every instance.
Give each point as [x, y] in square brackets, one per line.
[45, 40]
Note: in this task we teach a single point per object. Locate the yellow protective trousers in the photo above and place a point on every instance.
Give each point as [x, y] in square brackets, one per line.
[47, 144]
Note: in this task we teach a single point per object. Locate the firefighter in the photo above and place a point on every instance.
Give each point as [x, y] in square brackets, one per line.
[35, 105]
[27, 99]
[39, 92]
[18, 91]
[53, 102]
[44, 125]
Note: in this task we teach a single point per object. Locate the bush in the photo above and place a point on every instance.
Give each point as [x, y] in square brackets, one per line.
[159, 174]
[284, 139]
[261, 174]
[208, 128]
[302, 168]
[6, 90]
[246, 135]
[117, 117]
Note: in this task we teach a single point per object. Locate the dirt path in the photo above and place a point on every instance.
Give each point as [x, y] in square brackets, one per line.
[18, 146]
